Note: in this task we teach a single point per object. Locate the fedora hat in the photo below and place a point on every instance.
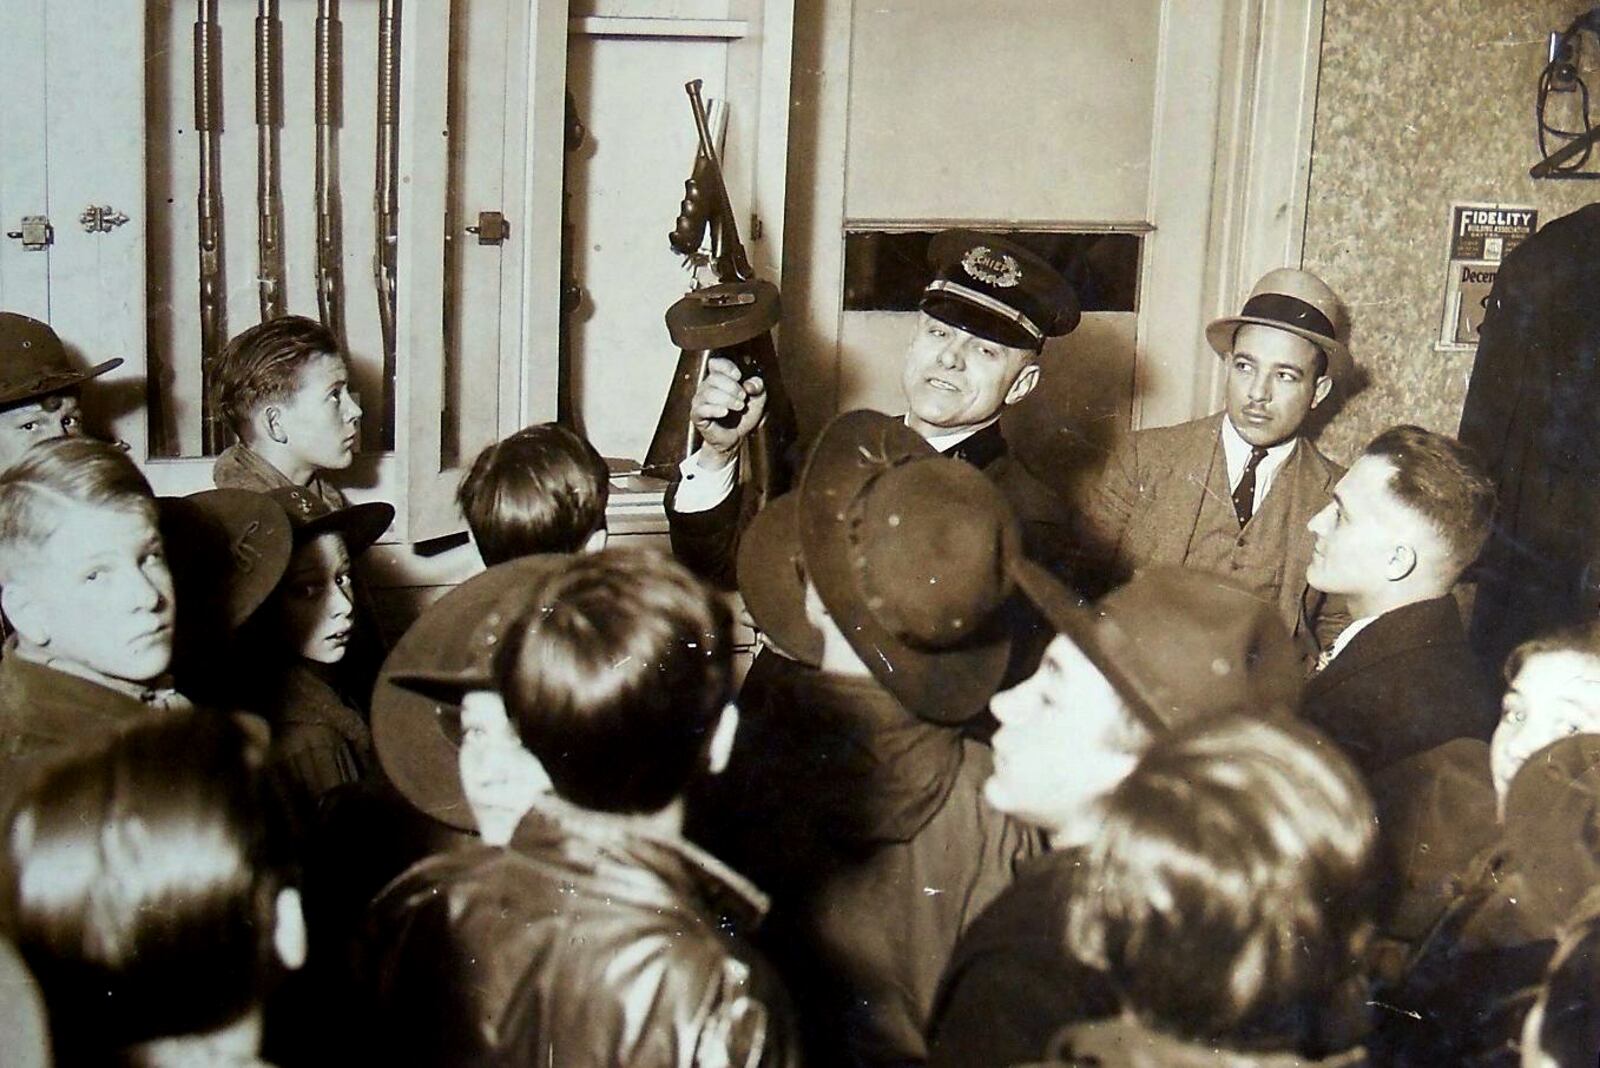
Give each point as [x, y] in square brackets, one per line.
[908, 551]
[359, 524]
[1297, 302]
[1178, 644]
[34, 363]
[227, 547]
[447, 652]
[998, 289]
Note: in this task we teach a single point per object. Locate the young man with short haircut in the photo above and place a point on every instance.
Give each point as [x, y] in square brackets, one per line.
[598, 935]
[284, 388]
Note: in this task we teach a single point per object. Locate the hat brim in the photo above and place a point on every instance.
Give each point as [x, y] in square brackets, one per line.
[429, 670]
[770, 582]
[58, 383]
[1074, 619]
[942, 686]
[360, 525]
[204, 535]
[1220, 334]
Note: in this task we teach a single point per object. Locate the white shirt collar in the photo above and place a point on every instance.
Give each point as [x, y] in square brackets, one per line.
[1236, 451]
[1347, 635]
[950, 439]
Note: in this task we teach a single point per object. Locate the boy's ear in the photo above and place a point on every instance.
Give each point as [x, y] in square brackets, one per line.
[596, 541]
[269, 422]
[22, 608]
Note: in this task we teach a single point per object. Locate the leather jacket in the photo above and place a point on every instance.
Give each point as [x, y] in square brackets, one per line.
[586, 941]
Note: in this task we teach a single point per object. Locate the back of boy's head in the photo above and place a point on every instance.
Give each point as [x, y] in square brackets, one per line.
[262, 366]
[142, 882]
[1231, 877]
[58, 472]
[541, 490]
[617, 677]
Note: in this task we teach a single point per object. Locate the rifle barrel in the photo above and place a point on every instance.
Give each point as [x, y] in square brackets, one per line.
[208, 130]
[269, 189]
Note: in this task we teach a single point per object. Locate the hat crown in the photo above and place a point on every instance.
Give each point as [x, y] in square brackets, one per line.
[998, 289]
[1196, 645]
[929, 541]
[1309, 289]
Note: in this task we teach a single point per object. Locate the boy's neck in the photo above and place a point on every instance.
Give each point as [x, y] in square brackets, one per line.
[39, 654]
[288, 462]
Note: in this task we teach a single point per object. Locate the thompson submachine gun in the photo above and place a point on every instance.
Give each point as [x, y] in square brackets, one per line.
[386, 198]
[269, 187]
[213, 287]
[732, 319]
[329, 92]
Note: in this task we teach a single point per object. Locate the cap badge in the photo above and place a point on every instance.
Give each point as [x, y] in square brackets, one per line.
[999, 269]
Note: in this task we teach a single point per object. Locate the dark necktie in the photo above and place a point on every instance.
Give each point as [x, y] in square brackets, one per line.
[1244, 494]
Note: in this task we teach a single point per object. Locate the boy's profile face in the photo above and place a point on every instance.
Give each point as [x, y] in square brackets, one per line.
[38, 419]
[315, 605]
[98, 592]
[321, 421]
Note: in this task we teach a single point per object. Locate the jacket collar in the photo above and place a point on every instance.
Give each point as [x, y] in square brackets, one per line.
[981, 448]
[1433, 622]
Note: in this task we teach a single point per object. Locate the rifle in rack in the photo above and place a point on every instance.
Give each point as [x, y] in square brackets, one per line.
[213, 286]
[732, 319]
[328, 89]
[269, 187]
[386, 199]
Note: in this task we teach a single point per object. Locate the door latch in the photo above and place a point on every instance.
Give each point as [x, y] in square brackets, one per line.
[36, 234]
[492, 229]
[101, 219]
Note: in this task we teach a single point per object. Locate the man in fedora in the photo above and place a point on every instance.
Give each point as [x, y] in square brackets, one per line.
[983, 320]
[873, 835]
[1172, 648]
[39, 386]
[1231, 492]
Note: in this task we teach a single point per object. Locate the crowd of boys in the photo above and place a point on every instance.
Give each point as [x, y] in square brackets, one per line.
[1254, 803]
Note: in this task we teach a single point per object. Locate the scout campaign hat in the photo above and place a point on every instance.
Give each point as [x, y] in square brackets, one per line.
[1552, 826]
[995, 288]
[1179, 645]
[34, 363]
[1300, 303]
[907, 550]
[360, 524]
[228, 548]
[450, 650]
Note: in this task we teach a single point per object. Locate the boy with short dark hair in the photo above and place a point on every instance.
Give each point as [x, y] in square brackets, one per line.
[284, 388]
[598, 935]
[39, 386]
[541, 490]
[87, 589]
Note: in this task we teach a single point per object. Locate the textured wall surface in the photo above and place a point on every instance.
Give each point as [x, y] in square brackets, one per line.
[1421, 103]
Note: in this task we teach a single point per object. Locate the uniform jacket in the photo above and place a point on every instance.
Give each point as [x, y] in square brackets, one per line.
[241, 467]
[1529, 413]
[585, 942]
[708, 542]
[879, 850]
[1148, 502]
[319, 742]
[1405, 684]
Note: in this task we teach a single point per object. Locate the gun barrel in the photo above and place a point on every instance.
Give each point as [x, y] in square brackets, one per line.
[386, 197]
[209, 211]
[328, 94]
[269, 191]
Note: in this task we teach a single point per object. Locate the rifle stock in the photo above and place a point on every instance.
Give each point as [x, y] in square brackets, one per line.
[330, 210]
[386, 201]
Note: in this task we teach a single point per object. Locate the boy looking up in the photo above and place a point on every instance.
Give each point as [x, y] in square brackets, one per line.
[38, 386]
[284, 388]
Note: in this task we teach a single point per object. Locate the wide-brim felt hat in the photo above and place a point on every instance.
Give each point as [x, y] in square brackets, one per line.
[34, 362]
[226, 547]
[909, 551]
[449, 651]
[359, 524]
[1552, 824]
[1179, 645]
[1297, 302]
[998, 289]
[769, 576]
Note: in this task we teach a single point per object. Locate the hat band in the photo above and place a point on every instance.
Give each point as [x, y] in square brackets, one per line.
[1291, 311]
[986, 302]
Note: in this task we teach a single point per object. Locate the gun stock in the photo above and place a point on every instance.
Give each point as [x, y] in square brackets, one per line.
[330, 209]
[386, 200]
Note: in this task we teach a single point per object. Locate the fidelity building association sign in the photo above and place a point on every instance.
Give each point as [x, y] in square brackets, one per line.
[1480, 237]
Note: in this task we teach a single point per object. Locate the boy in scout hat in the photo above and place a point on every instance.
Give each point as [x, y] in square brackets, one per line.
[974, 350]
[874, 836]
[1232, 492]
[39, 386]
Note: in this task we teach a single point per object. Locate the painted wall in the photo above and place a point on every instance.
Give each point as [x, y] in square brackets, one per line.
[1421, 104]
